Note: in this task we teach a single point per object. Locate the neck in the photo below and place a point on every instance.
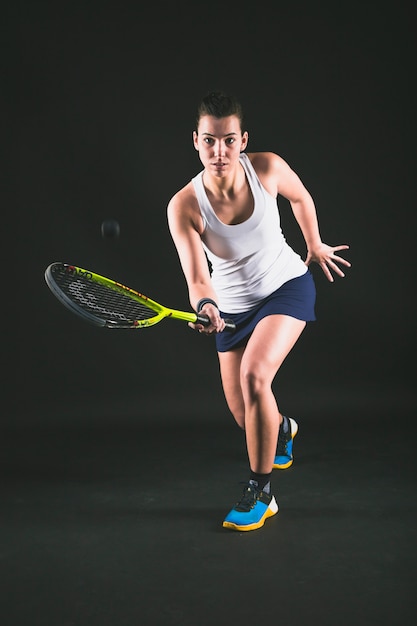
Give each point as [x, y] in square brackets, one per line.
[224, 186]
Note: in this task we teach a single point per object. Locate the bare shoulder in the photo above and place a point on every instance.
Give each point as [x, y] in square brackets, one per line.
[270, 168]
[183, 207]
[267, 162]
[182, 199]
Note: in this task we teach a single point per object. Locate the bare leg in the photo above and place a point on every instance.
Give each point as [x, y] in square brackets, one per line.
[230, 372]
[247, 376]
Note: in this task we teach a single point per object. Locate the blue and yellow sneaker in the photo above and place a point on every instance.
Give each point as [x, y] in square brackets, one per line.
[287, 431]
[252, 510]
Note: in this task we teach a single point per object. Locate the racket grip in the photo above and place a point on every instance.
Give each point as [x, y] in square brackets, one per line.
[230, 326]
[205, 320]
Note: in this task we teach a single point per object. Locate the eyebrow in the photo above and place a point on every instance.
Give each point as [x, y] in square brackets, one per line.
[226, 135]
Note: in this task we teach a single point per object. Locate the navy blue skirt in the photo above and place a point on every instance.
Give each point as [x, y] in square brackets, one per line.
[296, 298]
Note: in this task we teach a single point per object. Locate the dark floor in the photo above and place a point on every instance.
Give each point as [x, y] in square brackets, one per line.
[120, 524]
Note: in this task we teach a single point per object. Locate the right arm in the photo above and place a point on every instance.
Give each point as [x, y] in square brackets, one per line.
[185, 225]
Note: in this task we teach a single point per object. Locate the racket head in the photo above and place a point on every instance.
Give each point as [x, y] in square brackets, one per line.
[110, 304]
[101, 301]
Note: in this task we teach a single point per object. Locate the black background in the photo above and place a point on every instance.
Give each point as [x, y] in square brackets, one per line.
[100, 98]
[118, 458]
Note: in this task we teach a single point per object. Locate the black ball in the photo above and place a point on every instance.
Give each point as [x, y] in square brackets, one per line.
[110, 229]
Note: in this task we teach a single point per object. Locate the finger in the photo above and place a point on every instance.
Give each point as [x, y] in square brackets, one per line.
[338, 271]
[340, 259]
[197, 327]
[327, 272]
[335, 268]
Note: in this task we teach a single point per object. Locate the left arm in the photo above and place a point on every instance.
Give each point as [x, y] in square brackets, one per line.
[278, 177]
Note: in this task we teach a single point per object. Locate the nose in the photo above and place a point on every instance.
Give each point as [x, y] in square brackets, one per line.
[219, 148]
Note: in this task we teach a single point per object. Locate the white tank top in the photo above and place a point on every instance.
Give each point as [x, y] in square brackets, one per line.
[249, 260]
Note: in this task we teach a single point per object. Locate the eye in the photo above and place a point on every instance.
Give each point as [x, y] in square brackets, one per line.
[230, 141]
[209, 141]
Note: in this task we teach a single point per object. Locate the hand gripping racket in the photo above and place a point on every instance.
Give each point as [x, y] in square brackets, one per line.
[105, 302]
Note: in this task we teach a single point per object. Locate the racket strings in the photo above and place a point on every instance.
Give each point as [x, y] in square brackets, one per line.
[94, 297]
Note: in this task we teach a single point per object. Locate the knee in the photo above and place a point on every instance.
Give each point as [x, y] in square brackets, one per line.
[254, 381]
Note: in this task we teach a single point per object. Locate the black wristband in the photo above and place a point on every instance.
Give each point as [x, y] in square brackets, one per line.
[204, 301]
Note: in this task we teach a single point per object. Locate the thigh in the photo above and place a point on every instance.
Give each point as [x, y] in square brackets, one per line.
[270, 343]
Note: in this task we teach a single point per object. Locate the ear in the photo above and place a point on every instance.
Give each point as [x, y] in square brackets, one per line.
[245, 140]
[195, 139]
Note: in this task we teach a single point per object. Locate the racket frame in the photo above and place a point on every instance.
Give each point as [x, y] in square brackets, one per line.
[160, 310]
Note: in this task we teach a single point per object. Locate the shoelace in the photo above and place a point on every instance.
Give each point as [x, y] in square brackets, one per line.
[248, 500]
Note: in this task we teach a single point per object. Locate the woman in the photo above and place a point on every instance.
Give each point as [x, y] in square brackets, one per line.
[228, 215]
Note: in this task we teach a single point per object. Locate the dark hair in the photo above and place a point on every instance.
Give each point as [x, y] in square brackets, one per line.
[219, 104]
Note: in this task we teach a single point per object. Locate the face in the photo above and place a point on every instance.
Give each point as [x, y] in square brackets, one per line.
[219, 143]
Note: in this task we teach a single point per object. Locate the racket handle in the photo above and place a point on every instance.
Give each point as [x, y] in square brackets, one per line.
[230, 326]
[205, 320]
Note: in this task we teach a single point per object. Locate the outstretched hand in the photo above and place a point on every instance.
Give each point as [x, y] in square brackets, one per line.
[325, 256]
